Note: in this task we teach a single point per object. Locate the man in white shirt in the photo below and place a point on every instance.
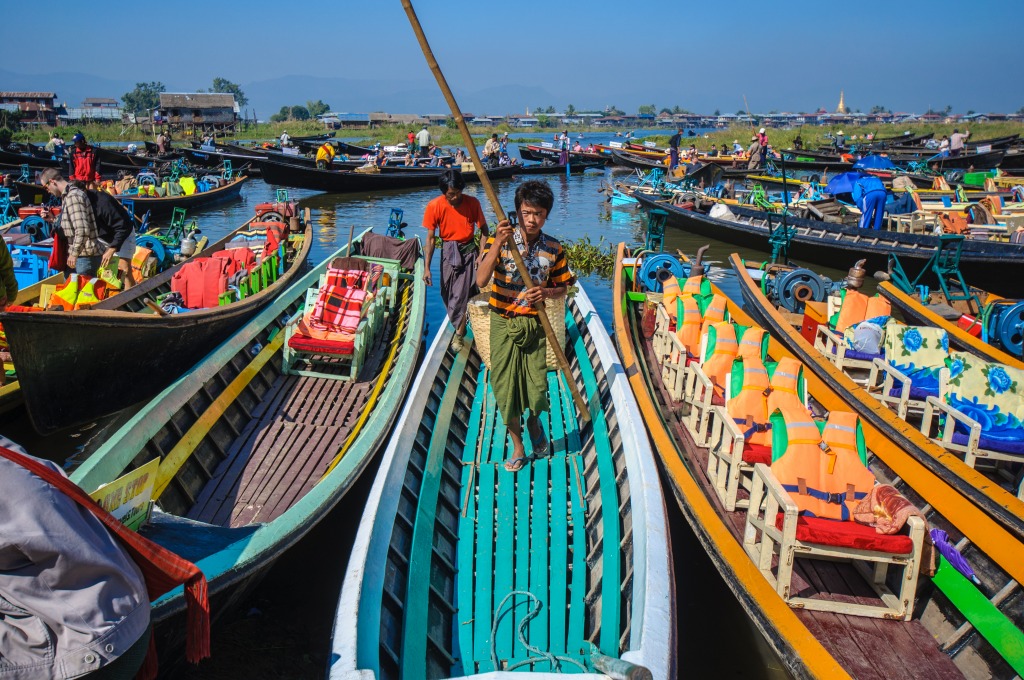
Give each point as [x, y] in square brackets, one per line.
[956, 142]
[423, 140]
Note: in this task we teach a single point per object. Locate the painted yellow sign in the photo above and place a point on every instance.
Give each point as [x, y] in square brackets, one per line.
[129, 497]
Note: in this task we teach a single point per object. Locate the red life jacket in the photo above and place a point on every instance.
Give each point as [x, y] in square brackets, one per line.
[84, 166]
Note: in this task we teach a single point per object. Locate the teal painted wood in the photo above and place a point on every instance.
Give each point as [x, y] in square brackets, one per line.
[608, 490]
[268, 540]
[484, 576]
[504, 556]
[540, 553]
[559, 562]
[575, 638]
[467, 535]
[524, 539]
[416, 614]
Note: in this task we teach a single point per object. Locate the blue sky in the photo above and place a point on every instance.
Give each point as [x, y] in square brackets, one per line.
[904, 55]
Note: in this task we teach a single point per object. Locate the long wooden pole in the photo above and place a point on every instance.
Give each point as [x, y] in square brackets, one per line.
[492, 196]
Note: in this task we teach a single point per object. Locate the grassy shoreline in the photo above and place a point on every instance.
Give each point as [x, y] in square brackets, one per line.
[813, 135]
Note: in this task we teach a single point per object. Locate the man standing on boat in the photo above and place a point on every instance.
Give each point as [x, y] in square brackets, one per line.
[673, 149]
[286, 140]
[85, 166]
[76, 221]
[869, 195]
[423, 140]
[956, 142]
[455, 217]
[518, 368]
[563, 157]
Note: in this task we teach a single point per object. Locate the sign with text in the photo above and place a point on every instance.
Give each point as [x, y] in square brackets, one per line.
[129, 497]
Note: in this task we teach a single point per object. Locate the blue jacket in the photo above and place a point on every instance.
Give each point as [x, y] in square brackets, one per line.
[865, 185]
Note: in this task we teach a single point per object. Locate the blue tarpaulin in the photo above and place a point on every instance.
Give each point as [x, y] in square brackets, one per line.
[874, 162]
[842, 184]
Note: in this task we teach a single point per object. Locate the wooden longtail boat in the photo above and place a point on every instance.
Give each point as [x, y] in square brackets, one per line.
[936, 313]
[165, 205]
[985, 493]
[940, 640]
[252, 458]
[448, 536]
[632, 160]
[120, 352]
[349, 181]
[983, 262]
[10, 392]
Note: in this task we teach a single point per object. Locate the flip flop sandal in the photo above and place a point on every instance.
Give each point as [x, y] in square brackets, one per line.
[541, 445]
[516, 464]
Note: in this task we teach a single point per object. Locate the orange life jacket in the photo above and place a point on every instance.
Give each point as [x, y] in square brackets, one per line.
[752, 344]
[749, 406]
[92, 291]
[670, 290]
[717, 366]
[823, 470]
[857, 307]
[200, 281]
[785, 386]
[694, 285]
[688, 329]
[715, 312]
[66, 294]
[139, 262]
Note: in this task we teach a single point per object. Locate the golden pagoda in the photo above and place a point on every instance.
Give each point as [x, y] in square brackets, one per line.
[842, 104]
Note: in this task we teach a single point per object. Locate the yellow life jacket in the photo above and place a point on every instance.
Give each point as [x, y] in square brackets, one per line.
[90, 293]
[825, 470]
[188, 185]
[688, 328]
[722, 343]
[66, 294]
[749, 405]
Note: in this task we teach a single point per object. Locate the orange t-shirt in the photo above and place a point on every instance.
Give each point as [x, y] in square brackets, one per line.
[454, 224]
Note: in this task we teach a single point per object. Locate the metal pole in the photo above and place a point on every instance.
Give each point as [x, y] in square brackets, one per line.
[492, 196]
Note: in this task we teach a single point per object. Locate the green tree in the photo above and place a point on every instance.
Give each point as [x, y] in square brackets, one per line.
[667, 110]
[949, 109]
[570, 110]
[145, 97]
[647, 109]
[877, 109]
[317, 108]
[282, 115]
[970, 112]
[450, 124]
[717, 113]
[550, 109]
[299, 113]
[740, 112]
[225, 86]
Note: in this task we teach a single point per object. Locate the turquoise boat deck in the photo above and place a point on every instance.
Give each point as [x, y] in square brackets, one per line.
[500, 545]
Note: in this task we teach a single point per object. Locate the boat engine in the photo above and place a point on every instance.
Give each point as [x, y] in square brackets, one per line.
[793, 288]
[37, 228]
[658, 267]
[1004, 325]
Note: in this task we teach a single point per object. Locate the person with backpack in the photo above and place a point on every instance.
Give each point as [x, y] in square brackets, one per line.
[77, 221]
[85, 164]
[115, 227]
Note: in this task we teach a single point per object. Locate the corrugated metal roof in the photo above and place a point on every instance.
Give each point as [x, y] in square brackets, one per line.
[98, 100]
[351, 117]
[9, 107]
[98, 113]
[29, 95]
[196, 100]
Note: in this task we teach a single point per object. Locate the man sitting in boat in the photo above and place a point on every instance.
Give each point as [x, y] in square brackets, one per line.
[518, 345]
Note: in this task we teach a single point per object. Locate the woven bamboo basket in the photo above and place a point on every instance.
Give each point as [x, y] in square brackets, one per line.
[480, 322]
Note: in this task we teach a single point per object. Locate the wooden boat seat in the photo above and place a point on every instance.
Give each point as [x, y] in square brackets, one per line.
[342, 315]
[983, 405]
[776, 534]
[845, 312]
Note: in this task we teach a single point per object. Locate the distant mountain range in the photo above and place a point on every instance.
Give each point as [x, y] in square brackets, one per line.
[268, 96]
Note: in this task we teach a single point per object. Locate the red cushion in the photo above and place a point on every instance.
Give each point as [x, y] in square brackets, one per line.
[717, 399]
[302, 343]
[757, 453]
[847, 535]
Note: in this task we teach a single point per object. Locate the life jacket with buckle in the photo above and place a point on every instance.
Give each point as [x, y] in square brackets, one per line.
[749, 404]
[857, 307]
[688, 327]
[721, 341]
[824, 469]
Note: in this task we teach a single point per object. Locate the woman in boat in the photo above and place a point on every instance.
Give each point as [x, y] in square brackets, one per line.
[518, 345]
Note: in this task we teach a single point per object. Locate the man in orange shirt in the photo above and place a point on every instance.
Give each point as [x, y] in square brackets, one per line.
[455, 218]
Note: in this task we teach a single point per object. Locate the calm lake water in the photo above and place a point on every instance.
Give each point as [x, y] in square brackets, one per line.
[284, 630]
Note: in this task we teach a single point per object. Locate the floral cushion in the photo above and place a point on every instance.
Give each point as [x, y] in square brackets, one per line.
[919, 352]
[992, 394]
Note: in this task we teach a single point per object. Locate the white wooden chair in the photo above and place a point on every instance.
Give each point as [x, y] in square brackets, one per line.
[774, 550]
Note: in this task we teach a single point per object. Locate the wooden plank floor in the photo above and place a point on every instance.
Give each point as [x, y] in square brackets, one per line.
[521, 532]
[865, 647]
[278, 457]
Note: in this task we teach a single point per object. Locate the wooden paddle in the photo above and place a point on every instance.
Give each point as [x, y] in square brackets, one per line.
[492, 196]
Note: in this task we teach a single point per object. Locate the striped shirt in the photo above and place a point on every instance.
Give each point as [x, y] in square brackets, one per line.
[548, 267]
[79, 223]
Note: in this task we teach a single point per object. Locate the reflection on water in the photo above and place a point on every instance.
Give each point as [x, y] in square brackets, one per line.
[721, 643]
